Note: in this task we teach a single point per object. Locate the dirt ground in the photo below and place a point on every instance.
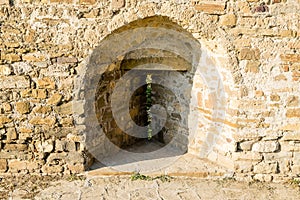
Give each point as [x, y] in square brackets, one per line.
[140, 187]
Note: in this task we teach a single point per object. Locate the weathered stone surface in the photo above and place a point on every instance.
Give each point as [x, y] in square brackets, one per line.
[211, 7]
[64, 109]
[46, 83]
[12, 57]
[290, 113]
[15, 147]
[34, 57]
[5, 70]
[117, 4]
[291, 136]
[4, 119]
[249, 54]
[248, 155]
[35, 93]
[42, 109]
[54, 99]
[23, 107]
[11, 134]
[252, 66]
[265, 146]
[10, 82]
[4, 2]
[64, 60]
[266, 168]
[228, 20]
[17, 165]
[3, 165]
[50, 121]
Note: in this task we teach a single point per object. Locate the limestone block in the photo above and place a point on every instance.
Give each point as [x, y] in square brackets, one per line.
[228, 20]
[78, 168]
[293, 101]
[11, 82]
[252, 66]
[37, 120]
[247, 155]
[42, 109]
[263, 177]
[64, 60]
[249, 54]
[17, 165]
[265, 146]
[64, 109]
[4, 119]
[87, 1]
[3, 165]
[291, 136]
[12, 57]
[290, 113]
[60, 145]
[117, 4]
[15, 147]
[11, 134]
[23, 107]
[5, 70]
[211, 7]
[246, 146]
[54, 99]
[35, 93]
[4, 2]
[46, 83]
[266, 168]
[53, 169]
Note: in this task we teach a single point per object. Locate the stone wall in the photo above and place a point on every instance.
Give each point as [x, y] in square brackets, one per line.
[249, 123]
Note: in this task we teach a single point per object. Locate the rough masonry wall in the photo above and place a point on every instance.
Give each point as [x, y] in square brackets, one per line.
[44, 44]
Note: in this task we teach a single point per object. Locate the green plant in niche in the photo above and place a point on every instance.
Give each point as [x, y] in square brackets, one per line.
[149, 104]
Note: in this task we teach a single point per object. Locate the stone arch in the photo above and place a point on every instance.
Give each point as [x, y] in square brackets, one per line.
[100, 62]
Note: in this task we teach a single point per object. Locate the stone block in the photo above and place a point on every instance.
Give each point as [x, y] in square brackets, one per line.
[75, 169]
[53, 169]
[42, 109]
[37, 120]
[117, 4]
[67, 122]
[266, 168]
[211, 7]
[4, 119]
[46, 83]
[288, 136]
[290, 57]
[228, 20]
[54, 99]
[11, 134]
[263, 177]
[246, 155]
[292, 101]
[65, 60]
[5, 70]
[4, 2]
[17, 165]
[35, 93]
[265, 146]
[3, 165]
[252, 66]
[64, 109]
[290, 113]
[12, 57]
[246, 146]
[23, 107]
[15, 147]
[32, 57]
[60, 145]
[12, 82]
[249, 54]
